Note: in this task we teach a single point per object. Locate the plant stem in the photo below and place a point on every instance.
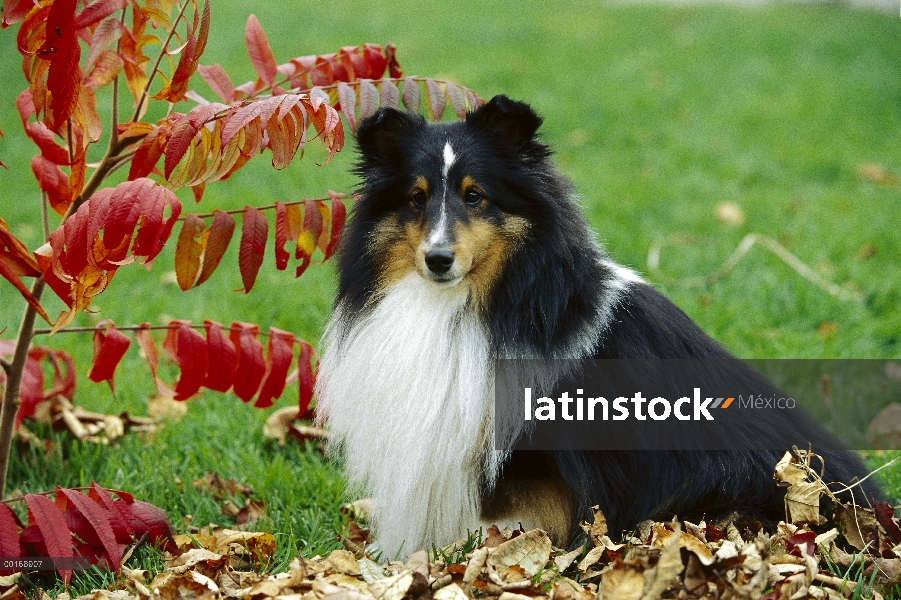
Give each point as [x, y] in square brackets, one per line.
[159, 59]
[13, 380]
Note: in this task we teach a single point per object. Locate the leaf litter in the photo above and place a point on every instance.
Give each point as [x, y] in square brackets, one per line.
[732, 558]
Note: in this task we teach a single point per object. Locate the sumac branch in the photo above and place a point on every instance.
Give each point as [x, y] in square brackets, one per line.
[69, 50]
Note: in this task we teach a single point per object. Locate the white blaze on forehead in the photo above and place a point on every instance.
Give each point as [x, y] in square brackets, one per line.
[439, 233]
[449, 158]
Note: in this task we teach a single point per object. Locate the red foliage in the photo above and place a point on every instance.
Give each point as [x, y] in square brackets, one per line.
[93, 526]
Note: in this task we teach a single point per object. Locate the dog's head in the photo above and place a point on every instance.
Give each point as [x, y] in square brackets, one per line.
[448, 201]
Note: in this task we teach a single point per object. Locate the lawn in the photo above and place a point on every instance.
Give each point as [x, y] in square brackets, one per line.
[658, 114]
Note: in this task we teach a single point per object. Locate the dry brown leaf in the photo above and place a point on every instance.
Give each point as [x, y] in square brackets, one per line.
[563, 561]
[278, 424]
[598, 528]
[392, 588]
[624, 583]
[343, 561]
[859, 525]
[802, 503]
[163, 406]
[450, 592]
[529, 552]
[666, 572]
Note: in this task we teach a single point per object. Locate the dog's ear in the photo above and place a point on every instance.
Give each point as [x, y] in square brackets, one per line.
[510, 121]
[379, 136]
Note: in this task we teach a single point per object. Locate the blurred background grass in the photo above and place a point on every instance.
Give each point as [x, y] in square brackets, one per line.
[658, 114]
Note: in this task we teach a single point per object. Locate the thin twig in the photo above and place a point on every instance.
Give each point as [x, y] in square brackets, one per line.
[120, 161]
[159, 59]
[237, 211]
[45, 216]
[748, 242]
[5, 366]
[149, 327]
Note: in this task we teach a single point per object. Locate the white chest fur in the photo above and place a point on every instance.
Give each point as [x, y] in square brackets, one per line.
[407, 390]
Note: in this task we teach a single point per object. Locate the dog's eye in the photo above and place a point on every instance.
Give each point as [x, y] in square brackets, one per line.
[419, 198]
[472, 197]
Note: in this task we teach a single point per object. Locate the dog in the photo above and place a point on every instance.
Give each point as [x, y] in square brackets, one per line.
[467, 245]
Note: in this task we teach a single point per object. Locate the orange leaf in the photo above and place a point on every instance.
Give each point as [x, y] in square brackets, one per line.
[309, 235]
[254, 231]
[188, 251]
[261, 56]
[148, 348]
[218, 238]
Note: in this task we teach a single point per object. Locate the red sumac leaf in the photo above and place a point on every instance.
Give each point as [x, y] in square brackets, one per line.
[305, 377]
[390, 95]
[41, 135]
[254, 231]
[99, 521]
[15, 10]
[375, 60]
[62, 49]
[279, 355]
[9, 537]
[309, 235]
[261, 56]
[219, 81]
[107, 67]
[222, 358]
[250, 366]
[147, 155]
[885, 514]
[457, 99]
[369, 99]
[54, 182]
[52, 526]
[188, 349]
[347, 99]
[110, 346]
[281, 237]
[119, 513]
[339, 216]
[434, 99]
[188, 251]
[97, 11]
[148, 348]
[394, 69]
[218, 238]
[152, 520]
[411, 95]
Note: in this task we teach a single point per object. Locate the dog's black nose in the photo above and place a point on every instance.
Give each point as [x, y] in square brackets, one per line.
[440, 260]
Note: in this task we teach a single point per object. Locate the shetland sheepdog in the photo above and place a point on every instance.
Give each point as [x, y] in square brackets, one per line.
[466, 245]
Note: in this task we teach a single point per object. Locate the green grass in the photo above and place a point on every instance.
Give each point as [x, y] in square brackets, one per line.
[657, 114]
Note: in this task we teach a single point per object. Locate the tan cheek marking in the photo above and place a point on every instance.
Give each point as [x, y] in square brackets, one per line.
[395, 247]
[485, 248]
[468, 182]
